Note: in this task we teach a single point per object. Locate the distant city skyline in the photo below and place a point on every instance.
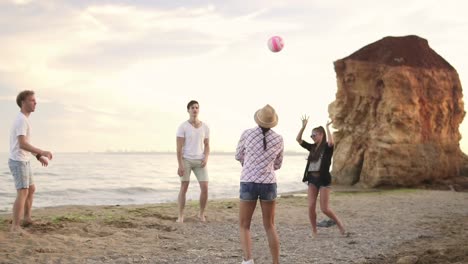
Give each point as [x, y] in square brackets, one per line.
[116, 75]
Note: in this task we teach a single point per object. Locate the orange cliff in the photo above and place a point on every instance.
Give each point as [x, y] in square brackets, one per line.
[398, 108]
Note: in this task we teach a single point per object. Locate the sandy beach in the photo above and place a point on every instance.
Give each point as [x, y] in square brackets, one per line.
[404, 226]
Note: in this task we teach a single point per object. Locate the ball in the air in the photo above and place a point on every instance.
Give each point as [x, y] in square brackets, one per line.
[275, 43]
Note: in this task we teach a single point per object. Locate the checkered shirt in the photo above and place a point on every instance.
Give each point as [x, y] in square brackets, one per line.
[259, 165]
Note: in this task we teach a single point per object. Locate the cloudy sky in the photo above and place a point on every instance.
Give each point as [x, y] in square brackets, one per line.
[117, 75]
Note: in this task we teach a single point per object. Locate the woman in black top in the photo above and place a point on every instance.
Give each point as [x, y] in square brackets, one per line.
[317, 172]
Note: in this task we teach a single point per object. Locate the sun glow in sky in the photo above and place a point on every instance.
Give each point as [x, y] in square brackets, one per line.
[117, 75]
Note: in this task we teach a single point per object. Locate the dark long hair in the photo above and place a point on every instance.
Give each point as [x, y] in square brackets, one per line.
[264, 130]
[315, 153]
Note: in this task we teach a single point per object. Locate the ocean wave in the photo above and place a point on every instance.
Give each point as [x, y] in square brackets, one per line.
[133, 190]
[65, 192]
[47, 174]
[98, 191]
[77, 190]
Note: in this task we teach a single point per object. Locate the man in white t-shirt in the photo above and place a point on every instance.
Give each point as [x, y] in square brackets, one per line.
[20, 167]
[193, 148]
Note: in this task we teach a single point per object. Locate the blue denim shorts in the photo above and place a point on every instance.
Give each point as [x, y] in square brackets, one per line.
[21, 172]
[251, 191]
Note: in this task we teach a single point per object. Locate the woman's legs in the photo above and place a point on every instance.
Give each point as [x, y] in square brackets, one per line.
[312, 193]
[324, 206]
[268, 215]
[246, 210]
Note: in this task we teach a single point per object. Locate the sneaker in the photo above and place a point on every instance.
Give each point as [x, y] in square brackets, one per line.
[326, 223]
[250, 261]
[331, 222]
[322, 223]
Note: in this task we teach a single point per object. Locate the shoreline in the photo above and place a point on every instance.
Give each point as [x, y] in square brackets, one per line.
[298, 193]
[340, 189]
[3, 212]
[384, 226]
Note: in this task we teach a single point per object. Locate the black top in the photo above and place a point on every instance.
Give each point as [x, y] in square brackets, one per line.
[325, 176]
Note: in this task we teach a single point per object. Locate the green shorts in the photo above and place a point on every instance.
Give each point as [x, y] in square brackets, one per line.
[195, 166]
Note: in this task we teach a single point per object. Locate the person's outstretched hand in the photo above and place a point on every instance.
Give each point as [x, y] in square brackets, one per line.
[304, 120]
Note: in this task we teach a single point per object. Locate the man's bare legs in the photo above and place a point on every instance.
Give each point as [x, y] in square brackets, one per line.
[18, 209]
[181, 200]
[27, 220]
[203, 199]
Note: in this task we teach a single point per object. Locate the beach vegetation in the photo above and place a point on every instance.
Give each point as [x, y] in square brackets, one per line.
[73, 217]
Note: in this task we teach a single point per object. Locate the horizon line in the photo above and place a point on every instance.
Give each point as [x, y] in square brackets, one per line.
[151, 152]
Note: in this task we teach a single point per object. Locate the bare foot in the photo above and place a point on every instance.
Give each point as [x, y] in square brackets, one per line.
[314, 233]
[342, 231]
[180, 219]
[27, 223]
[18, 231]
[202, 217]
[345, 233]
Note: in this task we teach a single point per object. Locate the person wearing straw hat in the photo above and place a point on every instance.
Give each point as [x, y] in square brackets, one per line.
[260, 152]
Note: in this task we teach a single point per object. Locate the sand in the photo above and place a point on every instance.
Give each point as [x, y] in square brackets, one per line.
[425, 226]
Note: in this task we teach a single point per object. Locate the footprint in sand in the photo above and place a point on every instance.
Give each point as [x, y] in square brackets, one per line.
[43, 227]
[122, 224]
[45, 250]
[161, 227]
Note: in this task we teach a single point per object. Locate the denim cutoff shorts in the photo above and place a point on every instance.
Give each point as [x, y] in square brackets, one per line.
[21, 172]
[251, 191]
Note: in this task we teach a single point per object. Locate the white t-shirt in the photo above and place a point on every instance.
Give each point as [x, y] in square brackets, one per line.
[194, 140]
[21, 127]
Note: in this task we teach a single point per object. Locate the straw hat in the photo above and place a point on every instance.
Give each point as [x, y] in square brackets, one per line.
[266, 117]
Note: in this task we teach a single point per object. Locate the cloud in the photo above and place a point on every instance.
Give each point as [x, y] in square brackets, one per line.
[137, 35]
[21, 2]
[75, 44]
[119, 73]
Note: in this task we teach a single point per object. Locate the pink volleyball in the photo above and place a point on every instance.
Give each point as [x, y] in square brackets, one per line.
[275, 43]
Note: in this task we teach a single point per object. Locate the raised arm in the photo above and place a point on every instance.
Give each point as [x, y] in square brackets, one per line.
[331, 142]
[304, 120]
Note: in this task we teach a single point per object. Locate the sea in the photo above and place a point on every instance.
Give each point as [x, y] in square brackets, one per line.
[121, 178]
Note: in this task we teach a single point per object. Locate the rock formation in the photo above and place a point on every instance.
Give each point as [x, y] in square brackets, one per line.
[397, 111]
